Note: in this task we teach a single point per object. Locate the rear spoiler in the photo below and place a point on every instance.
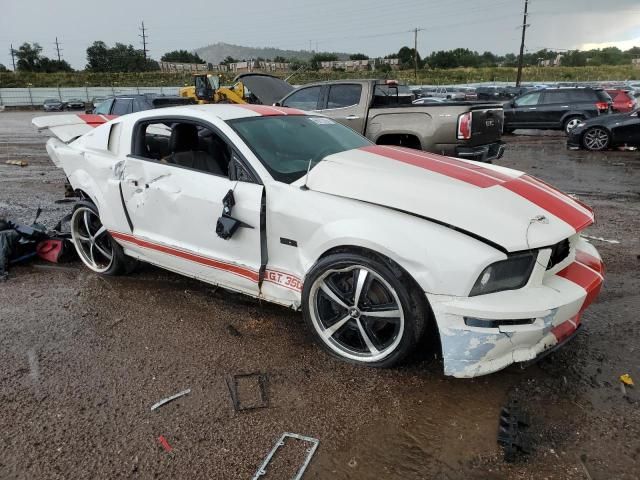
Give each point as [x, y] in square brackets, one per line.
[70, 127]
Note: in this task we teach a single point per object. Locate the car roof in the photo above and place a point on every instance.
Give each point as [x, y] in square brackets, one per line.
[222, 111]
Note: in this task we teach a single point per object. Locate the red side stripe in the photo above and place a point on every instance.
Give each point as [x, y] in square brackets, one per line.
[435, 164]
[268, 111]
[570, 214]
[210, 262]
[590, 261]
[592, 283]
[566, 328]
[580, 275]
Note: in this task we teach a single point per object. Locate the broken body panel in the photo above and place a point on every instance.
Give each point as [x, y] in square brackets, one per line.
[442, 220]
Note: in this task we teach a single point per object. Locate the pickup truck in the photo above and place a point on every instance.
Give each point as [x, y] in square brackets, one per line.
[382, 110]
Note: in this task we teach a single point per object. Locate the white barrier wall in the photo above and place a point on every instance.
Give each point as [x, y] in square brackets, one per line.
[24, 97]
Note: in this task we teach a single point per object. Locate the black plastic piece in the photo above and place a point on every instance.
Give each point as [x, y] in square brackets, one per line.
[263, 384]
[288, 241]
[226, 225]
[512, 435]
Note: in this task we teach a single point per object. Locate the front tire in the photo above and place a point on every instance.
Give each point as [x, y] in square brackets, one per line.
[95, 246]
[361, 311]
[596, 139]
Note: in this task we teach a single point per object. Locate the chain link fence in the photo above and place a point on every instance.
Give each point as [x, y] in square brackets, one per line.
[35, 97]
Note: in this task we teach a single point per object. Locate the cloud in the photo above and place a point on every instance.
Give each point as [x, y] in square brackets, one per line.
[621, 44]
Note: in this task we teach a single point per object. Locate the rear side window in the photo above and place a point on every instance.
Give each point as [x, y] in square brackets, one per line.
[529, 99]
[341, 96]
[305, 99]
[579, 95]
[122, 106]
[603, 96]
[559, 96]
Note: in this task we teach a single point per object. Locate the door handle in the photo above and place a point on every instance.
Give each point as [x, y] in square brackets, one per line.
[132, 181]
[352, 117]
[533, 108]
[564, 106]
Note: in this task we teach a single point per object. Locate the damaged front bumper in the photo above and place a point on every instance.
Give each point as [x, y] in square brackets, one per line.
[522, 324]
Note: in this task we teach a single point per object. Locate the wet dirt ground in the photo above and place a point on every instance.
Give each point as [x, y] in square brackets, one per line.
[83, 358]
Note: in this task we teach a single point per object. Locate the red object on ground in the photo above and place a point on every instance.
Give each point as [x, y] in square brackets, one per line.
[164, 443]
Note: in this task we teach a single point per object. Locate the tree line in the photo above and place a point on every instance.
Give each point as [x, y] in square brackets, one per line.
[126, 58]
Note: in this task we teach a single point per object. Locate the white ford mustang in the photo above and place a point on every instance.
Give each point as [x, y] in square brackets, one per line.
[377, 245]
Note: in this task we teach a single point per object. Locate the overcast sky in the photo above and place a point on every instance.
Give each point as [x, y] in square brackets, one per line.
[373, 27]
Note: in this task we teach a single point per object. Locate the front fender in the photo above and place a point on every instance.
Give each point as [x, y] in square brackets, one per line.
[438, 258]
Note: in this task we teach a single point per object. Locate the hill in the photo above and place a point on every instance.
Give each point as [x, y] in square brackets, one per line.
[219, 51]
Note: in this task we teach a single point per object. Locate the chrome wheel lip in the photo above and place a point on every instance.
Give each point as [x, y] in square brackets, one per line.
[335, 346]
[86, 241]
[596, 139]
[571, 124]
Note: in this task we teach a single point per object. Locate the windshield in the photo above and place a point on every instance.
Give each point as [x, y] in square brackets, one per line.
[288, 145]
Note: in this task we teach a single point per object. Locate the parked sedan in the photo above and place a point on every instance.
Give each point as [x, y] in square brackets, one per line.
[606, 132]
[75, 104]
[377, 245]
[53, 105]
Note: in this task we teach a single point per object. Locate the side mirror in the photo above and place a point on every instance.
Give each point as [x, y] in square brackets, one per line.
[277, 104]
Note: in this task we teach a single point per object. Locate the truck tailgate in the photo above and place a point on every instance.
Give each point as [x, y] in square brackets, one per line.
[486, 124]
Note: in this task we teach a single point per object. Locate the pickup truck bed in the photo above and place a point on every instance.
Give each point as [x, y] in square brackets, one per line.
[383, 112]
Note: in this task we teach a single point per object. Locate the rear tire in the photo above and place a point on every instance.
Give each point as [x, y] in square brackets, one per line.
[596, 139]
[570, 123]
[95, 246]
[359, 310]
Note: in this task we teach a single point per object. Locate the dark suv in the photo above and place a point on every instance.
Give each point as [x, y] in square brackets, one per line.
[123, 104]
[555, 108]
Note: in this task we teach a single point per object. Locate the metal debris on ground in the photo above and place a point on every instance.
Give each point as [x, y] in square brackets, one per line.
[170, 399]
[600, 239]
[19, 163]
[262, 383]
[511, 435]
[163, 442]
[262, 469]
[626, 379]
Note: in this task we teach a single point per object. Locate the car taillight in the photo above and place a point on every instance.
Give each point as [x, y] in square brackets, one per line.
[630, 104]
[602, 105]
[464, 126]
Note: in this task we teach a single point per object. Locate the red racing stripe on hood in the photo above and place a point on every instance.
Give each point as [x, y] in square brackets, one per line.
[267, 111]
[553, 201]
[535, 191]
[438, 164]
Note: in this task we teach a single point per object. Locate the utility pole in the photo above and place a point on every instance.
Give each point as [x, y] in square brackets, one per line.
[58, 50]
[144, 43]
[13, 57]
[520, 58]
[415, 54]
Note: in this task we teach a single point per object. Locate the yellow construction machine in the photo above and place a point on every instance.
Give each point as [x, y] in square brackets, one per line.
[206, 89]
[251, 87]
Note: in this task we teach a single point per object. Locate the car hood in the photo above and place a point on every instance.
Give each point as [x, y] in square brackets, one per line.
[268, 89]
[607, 120]
[505, 208]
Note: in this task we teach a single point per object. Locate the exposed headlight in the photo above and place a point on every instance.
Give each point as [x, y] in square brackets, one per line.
[509, 274]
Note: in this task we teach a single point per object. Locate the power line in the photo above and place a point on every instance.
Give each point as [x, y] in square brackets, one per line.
[524, 29]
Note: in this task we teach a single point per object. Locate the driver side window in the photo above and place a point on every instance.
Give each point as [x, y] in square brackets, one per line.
[189, 145]
[530, 99]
